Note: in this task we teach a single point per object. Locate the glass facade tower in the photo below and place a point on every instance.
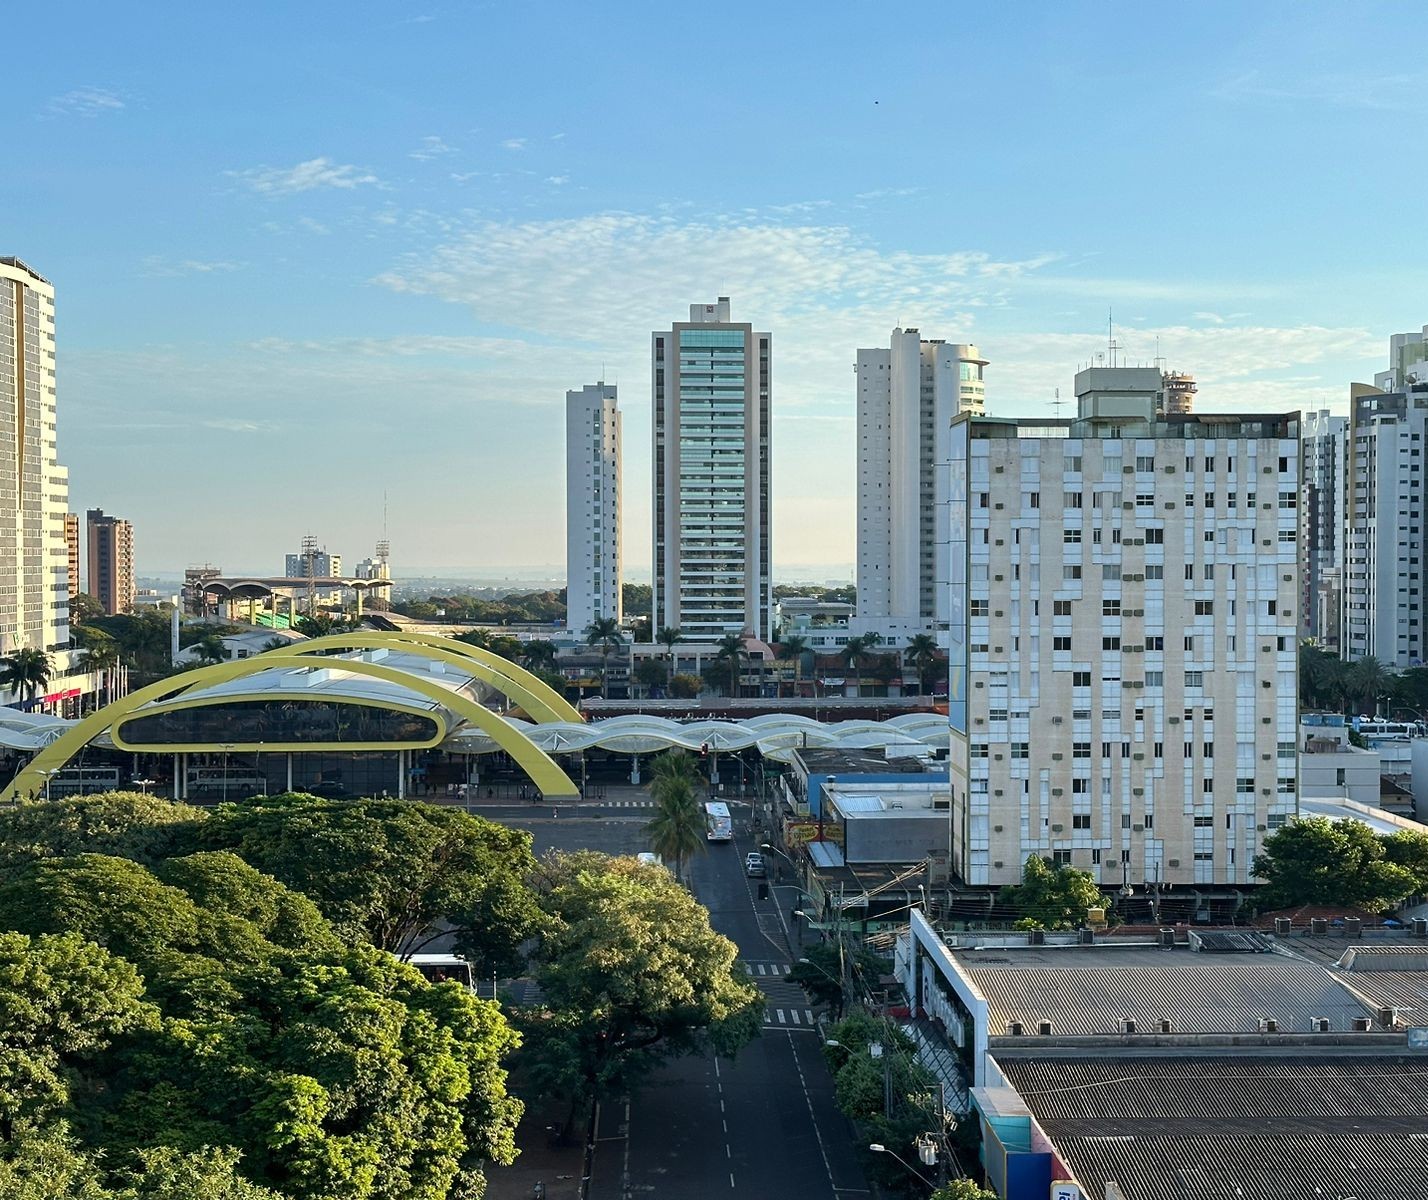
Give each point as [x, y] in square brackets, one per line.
[711, 476]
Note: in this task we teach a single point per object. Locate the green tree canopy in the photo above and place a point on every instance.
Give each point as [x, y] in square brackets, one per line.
[963, 1189]
[336, 1072]
[1409, 849]
[631, 973]
[387, 871]
[685, 687]
[1318, 861]
[1052, 897]
[146, 829]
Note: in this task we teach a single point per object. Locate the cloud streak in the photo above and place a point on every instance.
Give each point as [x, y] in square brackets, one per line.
[306, 176]
[85, 102]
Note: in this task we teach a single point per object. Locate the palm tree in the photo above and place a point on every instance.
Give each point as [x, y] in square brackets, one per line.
[210, 649]
[669, 638]
[794, 647]
[101, 656]
[853, 652]
[922, 652]
[1367, 680]
[605, 633]
[676, 831]
[731, 651]
[479, 638]
[27, 670]
[538, 655]
[677, 828]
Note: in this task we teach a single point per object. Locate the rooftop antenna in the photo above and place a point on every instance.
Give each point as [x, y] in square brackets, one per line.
[1159, 360]
[309, 568]
[1056, 404]
[1112, 346]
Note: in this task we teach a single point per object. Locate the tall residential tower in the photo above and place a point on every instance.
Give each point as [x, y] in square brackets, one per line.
[111, 561]
[593, 557]
[1321, 527]
[34, 488]
[907, 397]
[711, 385]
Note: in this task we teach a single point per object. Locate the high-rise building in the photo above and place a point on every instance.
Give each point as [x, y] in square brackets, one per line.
[907, 397]
[593, 556]
[34, 488]
[1321, 527]
[1407, 361]
[72, 554]
[712, 385]
[111, 561]
[1123, 650]
[1384, 573]
[1179, 393]
[318, 564]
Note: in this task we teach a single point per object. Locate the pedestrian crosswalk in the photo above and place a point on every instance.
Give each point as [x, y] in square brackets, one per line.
[789, 1018]
[768, 968]
[625, 803]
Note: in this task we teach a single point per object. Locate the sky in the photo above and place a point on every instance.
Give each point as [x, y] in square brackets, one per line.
[319, 262]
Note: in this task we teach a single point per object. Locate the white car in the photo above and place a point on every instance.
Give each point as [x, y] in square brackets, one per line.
[754, 865]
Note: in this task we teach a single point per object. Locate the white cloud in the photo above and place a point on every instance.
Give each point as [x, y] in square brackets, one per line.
[305, 177]
[431, 147]
[237, 425]
[558, 180]
[85, 102]
[1375, 91]
[514, 143]
[164, 268]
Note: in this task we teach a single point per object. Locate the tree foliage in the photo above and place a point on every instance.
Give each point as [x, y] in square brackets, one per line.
[1318, 861]
[387, 871]
[130, 825]
[963, 1189]
[631, 973]
[685, 687]
[1052, 897]
[206, 1006]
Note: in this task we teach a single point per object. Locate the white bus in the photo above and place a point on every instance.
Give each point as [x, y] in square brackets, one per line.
[718, 827]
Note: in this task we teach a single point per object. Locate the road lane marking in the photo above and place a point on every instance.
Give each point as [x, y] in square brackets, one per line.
[793, 1012]
[812, 1117]
[781, 1021]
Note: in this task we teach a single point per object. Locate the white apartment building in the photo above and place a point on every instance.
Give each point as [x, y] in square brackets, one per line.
[907, 397]
[1123, 660]
[593, 562]
[34, 488]
[1321, 526]
[711, 379]
[317, 563]
[1383, 554]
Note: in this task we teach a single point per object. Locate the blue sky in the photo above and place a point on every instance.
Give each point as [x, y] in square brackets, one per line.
[308, 254]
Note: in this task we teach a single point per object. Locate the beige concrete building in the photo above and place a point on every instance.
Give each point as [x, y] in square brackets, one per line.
[34, 488]
[1123, 661]
[71, 545]
[111, 561]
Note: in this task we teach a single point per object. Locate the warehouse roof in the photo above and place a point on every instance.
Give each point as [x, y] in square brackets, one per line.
[1215, 1128]
[1088, 991]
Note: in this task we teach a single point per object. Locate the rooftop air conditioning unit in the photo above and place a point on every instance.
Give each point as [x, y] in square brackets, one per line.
[1044, 1028]
[1361, 1024]
[1268, 1025]
[1318, 925]
[1164, 1026]
[1283, 926]
[1014, 1029]
[1037, 937]
[1086, 937]
[1167, 939]
[1420, 927]
[1387, 1017]
[1128, 1025]
[1318, 1024]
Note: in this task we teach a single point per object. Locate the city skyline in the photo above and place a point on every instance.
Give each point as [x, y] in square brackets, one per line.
[387, 250]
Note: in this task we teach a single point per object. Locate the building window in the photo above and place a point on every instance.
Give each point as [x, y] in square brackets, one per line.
[1204, 608]
[1061, 608]
[1081, 679]
[1061, 858]
[1080, 820]
[1061, 644]
[1194, 679]
[1110, 608]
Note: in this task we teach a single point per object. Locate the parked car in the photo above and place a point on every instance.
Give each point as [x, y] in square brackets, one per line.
[754, 865]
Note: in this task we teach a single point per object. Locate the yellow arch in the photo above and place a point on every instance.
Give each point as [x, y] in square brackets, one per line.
[541, 768]
[541, 701]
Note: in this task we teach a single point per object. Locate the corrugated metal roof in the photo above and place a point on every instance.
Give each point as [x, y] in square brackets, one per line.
[1226, 1166]
[1176, 1088]
[1195, 996]
[1245, 1128]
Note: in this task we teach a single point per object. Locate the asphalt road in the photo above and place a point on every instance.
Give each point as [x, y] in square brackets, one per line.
[762, 1125]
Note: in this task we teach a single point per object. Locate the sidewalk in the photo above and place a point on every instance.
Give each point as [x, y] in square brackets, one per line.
[558, 1167]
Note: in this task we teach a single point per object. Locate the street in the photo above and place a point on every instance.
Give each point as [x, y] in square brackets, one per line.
[763, 1125]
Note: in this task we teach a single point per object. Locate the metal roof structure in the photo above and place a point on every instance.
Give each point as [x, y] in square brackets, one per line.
[1249, 1127]
[1089, 991]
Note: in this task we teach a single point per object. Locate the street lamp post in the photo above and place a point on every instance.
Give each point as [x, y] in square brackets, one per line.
[879, 1148]
[50, 774]
[227, 749]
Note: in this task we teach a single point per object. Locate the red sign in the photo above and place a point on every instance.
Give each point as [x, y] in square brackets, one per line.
[65, 695]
